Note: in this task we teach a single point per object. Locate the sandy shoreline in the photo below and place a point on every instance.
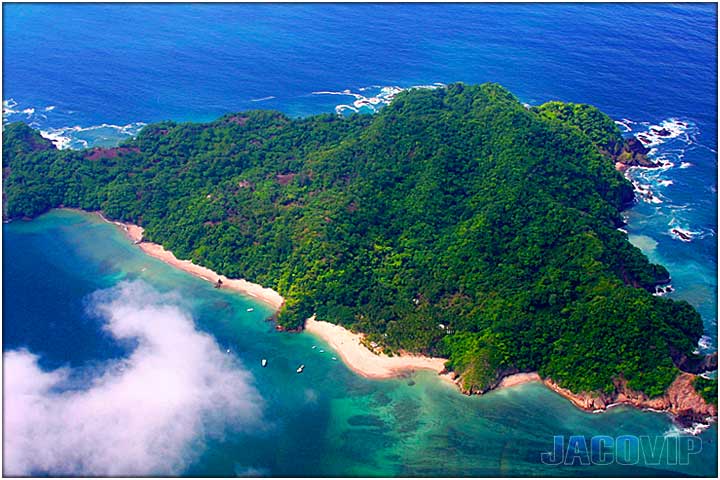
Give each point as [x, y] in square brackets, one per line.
[364, 362]
[519, 379]
[258, 292]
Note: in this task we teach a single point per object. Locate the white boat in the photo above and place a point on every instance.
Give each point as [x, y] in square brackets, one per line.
[264, 362]
[300, 369]
[250, 309]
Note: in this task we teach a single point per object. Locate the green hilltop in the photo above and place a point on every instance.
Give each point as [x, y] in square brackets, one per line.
[455, 222]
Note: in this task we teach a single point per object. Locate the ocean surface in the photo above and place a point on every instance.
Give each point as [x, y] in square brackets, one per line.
[90, 323]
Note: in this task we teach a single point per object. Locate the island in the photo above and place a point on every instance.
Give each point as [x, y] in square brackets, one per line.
[456, 223]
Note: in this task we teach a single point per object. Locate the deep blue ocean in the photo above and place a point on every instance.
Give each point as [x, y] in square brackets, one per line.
[93, 74]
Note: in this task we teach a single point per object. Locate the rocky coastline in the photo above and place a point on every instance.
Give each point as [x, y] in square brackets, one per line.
[681, 401]
[629, 153]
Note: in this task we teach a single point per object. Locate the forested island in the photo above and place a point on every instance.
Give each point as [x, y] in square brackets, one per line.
[455, 222]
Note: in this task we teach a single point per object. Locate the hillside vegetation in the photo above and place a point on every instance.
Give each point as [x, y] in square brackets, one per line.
[454, 222]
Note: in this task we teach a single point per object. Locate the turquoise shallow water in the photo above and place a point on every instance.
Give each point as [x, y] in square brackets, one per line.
[327, 421]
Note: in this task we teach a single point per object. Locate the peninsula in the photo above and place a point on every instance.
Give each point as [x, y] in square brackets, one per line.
[456, 223]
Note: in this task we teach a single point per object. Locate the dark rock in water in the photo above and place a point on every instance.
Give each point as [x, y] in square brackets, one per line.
[682, 235]
[633, 145]
[663, 132]
[694, 363]
[664, 289]
[411, 382]
[688, 418]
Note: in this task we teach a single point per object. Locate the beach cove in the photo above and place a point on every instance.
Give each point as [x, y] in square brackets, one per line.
[347, 344]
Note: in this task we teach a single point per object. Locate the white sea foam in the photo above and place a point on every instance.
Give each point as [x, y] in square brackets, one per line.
[705, 342]
[60, 141]
[73, 137]
[668, 142]
[59, 137]
[378, 97]
[148, 414]
[77, 137]
[695, 429]
[9, 107]
[661, 290]
[625, 124]
[667, 130]
[645, 192]
[339, 109]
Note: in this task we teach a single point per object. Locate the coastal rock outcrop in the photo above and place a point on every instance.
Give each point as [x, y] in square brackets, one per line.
[694, 363]
[629, 153]
[681, 400]
[474, 389]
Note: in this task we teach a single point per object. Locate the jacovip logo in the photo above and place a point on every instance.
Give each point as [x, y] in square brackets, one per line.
[623, 450]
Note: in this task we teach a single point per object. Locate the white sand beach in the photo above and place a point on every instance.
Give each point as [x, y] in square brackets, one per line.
[363, 361]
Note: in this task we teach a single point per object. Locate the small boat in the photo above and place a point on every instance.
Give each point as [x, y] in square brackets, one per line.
[300, 369]
[250, 309]
[322, 351]
[264, 362]
[227, 351]
[314, 347]
[334, 358]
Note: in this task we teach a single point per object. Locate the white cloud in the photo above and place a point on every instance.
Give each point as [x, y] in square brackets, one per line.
[148, 414]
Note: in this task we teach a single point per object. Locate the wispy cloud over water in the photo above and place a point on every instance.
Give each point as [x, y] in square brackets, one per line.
[148, 414]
